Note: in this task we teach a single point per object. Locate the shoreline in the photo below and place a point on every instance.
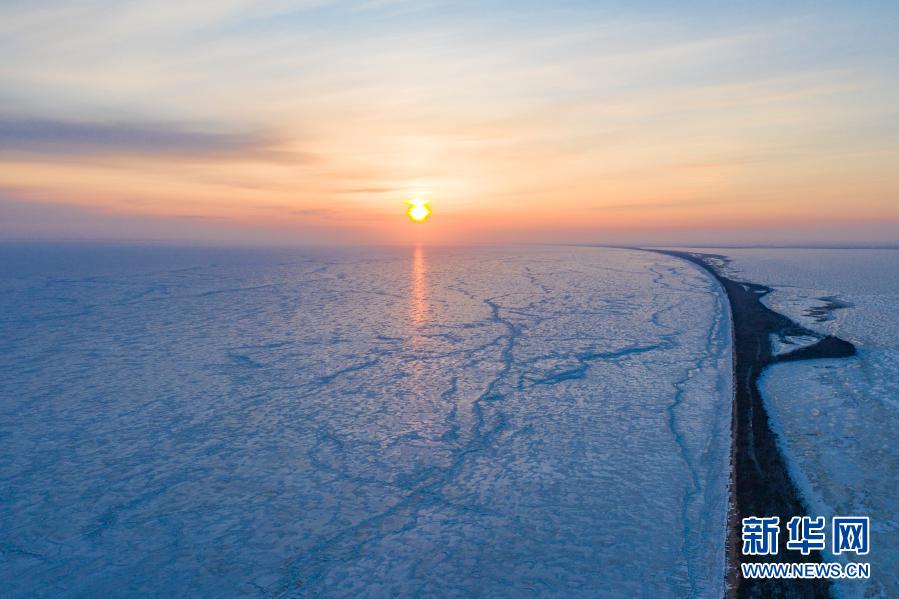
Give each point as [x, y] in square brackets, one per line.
[760, 481]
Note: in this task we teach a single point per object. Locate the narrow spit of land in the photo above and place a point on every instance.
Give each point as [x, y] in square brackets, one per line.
[760, 482]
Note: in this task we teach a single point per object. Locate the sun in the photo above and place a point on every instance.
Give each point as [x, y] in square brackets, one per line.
[418, 211]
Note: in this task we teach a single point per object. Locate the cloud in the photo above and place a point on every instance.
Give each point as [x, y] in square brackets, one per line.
[70, 138]
[367, 190]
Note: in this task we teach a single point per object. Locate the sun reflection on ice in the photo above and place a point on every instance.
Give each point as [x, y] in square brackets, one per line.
[418, 305]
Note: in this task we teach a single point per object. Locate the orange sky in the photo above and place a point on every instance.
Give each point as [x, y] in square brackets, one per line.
[315, 122]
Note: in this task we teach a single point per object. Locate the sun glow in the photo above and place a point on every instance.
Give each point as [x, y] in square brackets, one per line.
[418, 211]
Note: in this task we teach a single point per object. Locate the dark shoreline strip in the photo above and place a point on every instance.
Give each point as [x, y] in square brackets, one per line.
[760, 482]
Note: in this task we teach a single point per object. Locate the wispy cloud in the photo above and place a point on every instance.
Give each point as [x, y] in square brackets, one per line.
[60, 138]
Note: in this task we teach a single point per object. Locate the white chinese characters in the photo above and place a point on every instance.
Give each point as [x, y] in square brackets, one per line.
[806, 534]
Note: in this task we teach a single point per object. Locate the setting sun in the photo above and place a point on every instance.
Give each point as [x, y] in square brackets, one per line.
[418, 211]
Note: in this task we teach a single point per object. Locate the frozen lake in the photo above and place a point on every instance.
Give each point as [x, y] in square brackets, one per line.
[837, 419]
[439, 422]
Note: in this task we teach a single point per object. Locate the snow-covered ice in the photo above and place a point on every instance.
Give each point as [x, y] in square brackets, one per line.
[437, 422]
[837, 419]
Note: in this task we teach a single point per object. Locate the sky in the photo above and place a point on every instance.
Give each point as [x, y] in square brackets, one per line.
[315, 121]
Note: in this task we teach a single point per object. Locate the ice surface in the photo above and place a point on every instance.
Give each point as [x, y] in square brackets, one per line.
[784, 344]
[437, 422]
[838, 419]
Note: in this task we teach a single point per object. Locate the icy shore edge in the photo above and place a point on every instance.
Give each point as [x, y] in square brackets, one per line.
[761, 481]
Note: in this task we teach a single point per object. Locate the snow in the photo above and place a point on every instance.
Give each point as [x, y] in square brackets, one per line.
[516, 421]
[837, 419]
[784, 344]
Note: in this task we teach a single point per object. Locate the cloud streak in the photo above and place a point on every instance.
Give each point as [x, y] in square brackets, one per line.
[60, 138]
